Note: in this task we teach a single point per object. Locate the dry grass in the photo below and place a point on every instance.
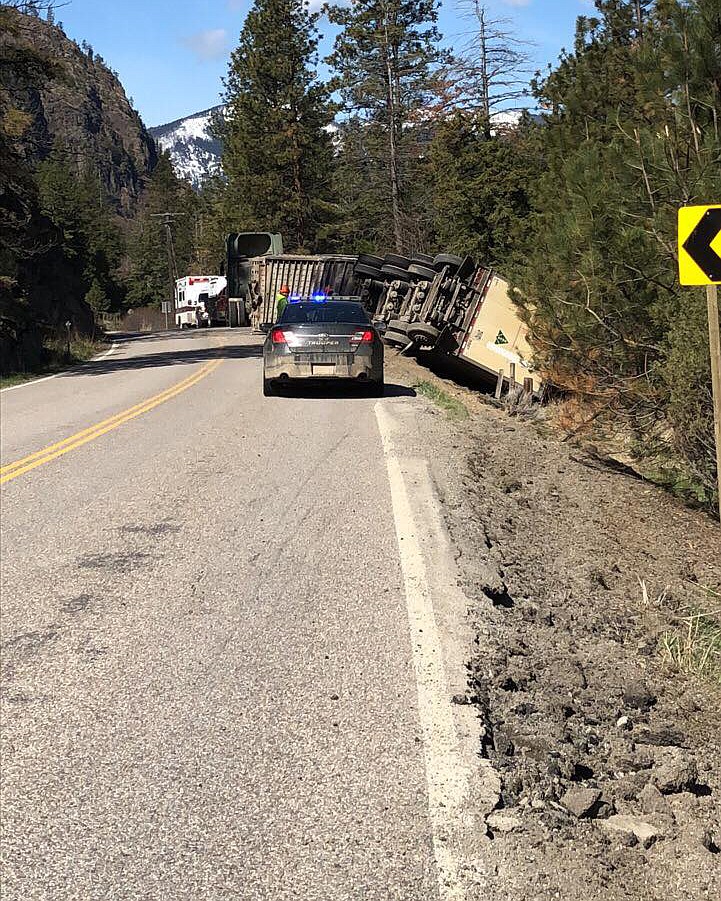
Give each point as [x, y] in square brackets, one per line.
[694, 646]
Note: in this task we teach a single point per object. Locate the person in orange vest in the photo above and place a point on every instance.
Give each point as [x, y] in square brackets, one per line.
[281, 301]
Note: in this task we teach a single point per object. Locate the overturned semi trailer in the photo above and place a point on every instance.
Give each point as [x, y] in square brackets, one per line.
[257, 269]
[450, 305]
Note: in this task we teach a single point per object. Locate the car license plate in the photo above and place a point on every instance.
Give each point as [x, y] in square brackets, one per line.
[319, 359]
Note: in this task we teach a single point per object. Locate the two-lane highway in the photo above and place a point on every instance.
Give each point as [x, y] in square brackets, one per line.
[209, 687]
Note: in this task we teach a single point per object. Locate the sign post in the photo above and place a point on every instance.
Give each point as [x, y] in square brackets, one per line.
[165, 308]
[699, 263]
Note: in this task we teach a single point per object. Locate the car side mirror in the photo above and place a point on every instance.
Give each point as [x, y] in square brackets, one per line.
[380, 325]
[265, 327]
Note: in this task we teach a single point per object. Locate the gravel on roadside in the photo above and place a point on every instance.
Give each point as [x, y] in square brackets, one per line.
[578, 580]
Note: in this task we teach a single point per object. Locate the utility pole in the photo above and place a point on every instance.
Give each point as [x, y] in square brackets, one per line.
[166, 220]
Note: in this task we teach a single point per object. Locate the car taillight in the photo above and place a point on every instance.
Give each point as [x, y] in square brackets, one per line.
[277, 336]
[362, 337]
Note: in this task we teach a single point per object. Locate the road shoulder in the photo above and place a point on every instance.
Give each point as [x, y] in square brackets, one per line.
[576, 577]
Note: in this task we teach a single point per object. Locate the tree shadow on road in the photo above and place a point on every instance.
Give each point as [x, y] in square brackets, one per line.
[178, 357]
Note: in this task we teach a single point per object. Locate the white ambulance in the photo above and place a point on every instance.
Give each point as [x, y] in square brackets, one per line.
[201, 301]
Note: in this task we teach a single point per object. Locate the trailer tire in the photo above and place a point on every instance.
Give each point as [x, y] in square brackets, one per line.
[395, 339]
[395, 259]
[395, 273]
[422, 273]
[447, 259]
[423, 334]
[365, 270]
[423, 259]
[369, 259]
[398, 325]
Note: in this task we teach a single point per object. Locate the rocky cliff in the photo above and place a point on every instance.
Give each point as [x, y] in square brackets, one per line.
[81, 107]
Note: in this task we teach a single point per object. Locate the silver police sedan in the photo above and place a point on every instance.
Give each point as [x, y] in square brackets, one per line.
[323, 339]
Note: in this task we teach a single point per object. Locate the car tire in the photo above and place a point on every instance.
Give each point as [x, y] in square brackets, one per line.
[365, 270]
[369, 259]
[423, 334]
[395, 273]
[447, 259]
[268, 389]
[422, 273]
[395, 259]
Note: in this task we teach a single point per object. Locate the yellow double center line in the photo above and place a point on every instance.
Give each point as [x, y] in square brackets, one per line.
[53, 451]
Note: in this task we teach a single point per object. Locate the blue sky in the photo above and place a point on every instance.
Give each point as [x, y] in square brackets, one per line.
[171, 55]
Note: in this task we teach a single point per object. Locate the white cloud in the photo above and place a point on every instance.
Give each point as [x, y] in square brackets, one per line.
[207, 45]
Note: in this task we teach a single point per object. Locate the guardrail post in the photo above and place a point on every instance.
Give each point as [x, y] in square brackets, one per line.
[499, 384]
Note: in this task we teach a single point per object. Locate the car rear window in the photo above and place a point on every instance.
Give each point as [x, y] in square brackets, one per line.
[333, 311]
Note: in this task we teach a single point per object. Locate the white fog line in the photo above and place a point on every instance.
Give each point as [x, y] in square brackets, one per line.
[46, 378]
[447, 773]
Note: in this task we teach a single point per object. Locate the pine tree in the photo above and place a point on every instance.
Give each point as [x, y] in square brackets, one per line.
[149, 279]
[96, 298]
[384, 59]
[89, 234]
[214, 220]
[480, 188]
[277, 153]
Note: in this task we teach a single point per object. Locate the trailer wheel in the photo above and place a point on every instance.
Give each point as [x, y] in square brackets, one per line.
[424, 259]
[423, 334]
[447, 259]
[365, 270]
[395, 259]
[423, 273]
[395, 273]
[369, 259]
[395, 339]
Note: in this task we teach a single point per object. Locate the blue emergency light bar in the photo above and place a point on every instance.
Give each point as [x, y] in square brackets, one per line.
[315, 298]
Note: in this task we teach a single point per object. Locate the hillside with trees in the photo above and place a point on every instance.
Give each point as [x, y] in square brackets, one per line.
[630, 133]
[79, 174]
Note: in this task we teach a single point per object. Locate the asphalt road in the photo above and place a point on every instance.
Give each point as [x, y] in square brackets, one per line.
[208, 684]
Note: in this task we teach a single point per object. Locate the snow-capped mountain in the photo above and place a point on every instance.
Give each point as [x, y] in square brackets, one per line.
[194, 151]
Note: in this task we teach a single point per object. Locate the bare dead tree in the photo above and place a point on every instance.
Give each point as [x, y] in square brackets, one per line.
[491, 69]
[34, 7]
